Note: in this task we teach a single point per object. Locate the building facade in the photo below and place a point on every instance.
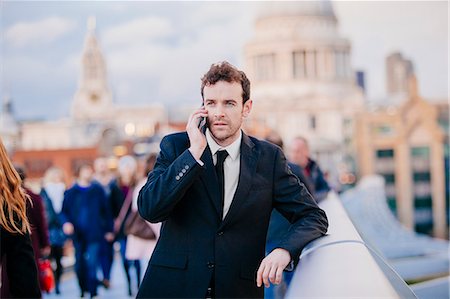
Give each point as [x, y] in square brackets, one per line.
[302, 80]
[408, 146]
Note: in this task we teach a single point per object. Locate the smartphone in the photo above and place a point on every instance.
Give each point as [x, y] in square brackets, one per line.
[203, 124]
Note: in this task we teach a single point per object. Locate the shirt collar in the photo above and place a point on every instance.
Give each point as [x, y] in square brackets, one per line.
[233, 149]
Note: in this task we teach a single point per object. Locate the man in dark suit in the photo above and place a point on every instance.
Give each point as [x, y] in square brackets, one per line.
[214, 191]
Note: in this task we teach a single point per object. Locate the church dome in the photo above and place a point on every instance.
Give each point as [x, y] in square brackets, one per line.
[296, 8]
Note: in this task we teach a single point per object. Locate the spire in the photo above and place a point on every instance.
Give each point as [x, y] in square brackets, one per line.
[7, 105]
[91, 24]
[93, 97]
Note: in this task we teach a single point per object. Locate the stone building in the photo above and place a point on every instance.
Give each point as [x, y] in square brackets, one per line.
[302, 81]
[409, 146]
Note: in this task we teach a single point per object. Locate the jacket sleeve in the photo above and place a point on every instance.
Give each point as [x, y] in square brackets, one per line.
[67, 209]
[105, 209]
[168, 182]
[42, 225]
[295, 203]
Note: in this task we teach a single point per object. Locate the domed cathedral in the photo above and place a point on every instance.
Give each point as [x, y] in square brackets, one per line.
[302, 81]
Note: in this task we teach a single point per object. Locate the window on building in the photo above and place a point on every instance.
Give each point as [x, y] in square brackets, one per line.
[389, 178]
[421, 176]
[383, 130]
[312, 122]
[265, 67]
[311, 63]
[299, 64]
[385, 153]
[422, 152]
[341, 64]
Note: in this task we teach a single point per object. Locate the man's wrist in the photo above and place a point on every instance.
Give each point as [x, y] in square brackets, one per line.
[196, 155]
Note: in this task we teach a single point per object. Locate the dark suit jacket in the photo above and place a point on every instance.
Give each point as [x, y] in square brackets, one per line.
[195, 243]
[279, 225]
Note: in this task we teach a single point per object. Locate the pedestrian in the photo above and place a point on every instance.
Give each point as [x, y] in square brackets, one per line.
[121, 196]
[19, 277]
[214, 188]
[299, 154]
[105, 179]
[38, 221]
[52, 194]
[87, 219]
[279, 226]
[138, 248]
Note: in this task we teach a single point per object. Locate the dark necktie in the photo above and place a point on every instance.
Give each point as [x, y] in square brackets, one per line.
[221, 156]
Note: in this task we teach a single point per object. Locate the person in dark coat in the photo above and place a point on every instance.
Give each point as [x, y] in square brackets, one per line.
[104, 177]
[214, 190]
[121, 199]
[38, 221]
[278, 225]
[19, 277]
[52, 194]
[299, 154]
[87, 218]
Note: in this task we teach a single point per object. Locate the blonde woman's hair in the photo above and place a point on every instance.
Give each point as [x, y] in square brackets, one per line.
[13, 216]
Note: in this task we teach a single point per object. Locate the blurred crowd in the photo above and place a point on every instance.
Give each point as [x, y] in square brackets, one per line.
[86, 220]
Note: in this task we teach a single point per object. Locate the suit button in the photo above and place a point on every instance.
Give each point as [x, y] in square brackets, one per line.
[186, 167]
[220, 233]
[180, 174]
[210, 265]
[177, 178]
[183, 170]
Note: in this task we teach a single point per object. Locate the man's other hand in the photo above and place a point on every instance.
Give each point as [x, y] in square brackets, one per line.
[272, 266]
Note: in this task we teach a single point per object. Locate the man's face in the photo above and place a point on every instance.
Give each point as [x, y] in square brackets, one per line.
[298, 152]
[86, 173]
[226, 110]
[100, 165]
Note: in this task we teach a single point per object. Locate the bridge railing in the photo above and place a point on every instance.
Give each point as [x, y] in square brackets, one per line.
[341, 264]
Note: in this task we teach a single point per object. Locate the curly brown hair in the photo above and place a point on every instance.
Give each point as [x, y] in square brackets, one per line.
[225, 71]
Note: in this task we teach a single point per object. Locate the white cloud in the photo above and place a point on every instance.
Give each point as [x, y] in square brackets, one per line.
[171, 71]
[43, 31]
[138, 30]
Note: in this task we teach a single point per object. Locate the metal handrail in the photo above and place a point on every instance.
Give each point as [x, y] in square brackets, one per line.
[342, 265]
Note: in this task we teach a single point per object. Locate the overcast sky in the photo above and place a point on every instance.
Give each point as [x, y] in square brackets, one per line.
[157, 51]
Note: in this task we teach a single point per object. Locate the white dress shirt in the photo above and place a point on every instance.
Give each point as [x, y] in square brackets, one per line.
[231, 167]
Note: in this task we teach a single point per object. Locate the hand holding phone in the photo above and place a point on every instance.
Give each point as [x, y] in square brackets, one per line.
[196, 128]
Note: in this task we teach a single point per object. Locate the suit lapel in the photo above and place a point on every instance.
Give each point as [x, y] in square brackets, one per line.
[209, 179]
[249, 157]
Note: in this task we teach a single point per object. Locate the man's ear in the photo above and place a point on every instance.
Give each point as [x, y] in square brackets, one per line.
[247, 108]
